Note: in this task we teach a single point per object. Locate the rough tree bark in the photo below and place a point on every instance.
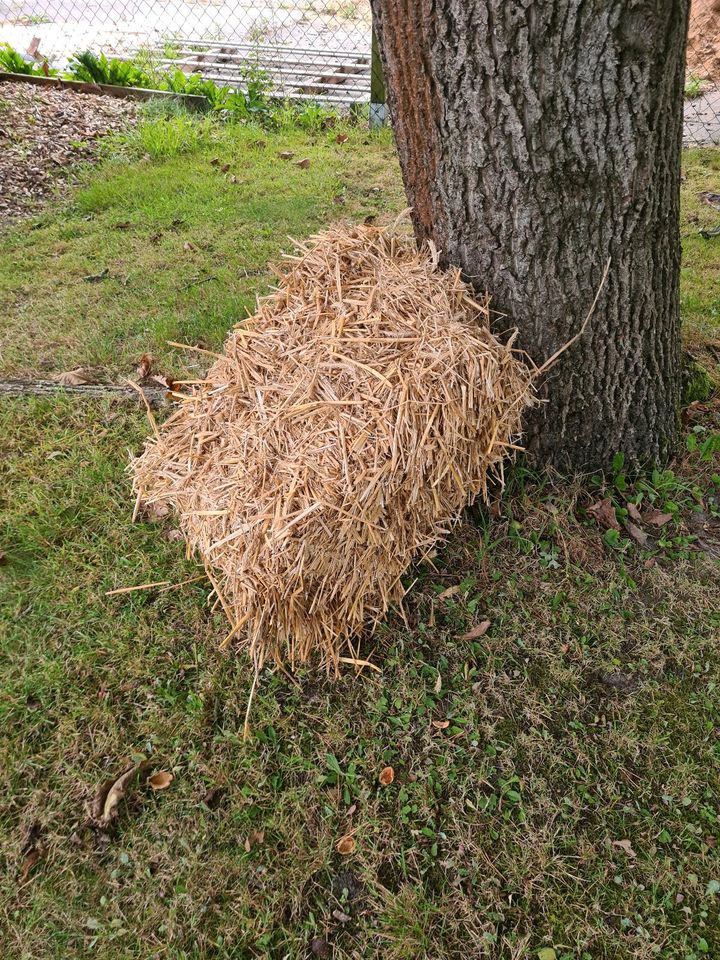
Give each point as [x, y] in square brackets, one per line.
[538, 139]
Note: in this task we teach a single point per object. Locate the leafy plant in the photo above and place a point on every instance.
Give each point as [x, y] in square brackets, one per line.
[90, 68]
[13, 62]
[693, 87]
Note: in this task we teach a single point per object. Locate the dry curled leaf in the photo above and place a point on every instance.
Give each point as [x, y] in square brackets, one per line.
[72, 378]
[188, 246]
[450, 592]
[477, 631]
[437, 686]
[144, 368]
[656, 517]
[286, 154]
[255, 838]
[634, 512]
[163, 381]
[387, 775]
[260, 144]
[215, 162]
[155, 511]
[345, 846]
[638, 535]
[441, 724]
[160, 780]
[224, 168]
[3, 558]
[172, 536]
[303, 164]
[604, 513]
[107, 799]
[342, 138]
[31, 858]
[626, 846]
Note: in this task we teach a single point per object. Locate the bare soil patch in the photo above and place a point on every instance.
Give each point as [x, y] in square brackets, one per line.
[703, 55]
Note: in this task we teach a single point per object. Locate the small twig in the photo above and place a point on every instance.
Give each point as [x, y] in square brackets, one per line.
[246, 725]
[142, 586]
[187, 346]
[195, 283]
[581, 331]
[359, 663]
[150, 416]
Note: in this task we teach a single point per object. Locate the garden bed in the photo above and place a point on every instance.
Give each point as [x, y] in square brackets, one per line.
[45, 132]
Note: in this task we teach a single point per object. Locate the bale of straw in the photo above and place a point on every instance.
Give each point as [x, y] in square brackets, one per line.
[337, 440]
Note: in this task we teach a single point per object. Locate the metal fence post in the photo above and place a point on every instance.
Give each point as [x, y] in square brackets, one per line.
[378, 106]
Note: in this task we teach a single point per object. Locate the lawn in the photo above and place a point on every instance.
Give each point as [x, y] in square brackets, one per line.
[556, 786]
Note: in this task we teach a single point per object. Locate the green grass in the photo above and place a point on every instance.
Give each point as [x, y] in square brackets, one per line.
[700, 282]
[186, 246]
[567, 793]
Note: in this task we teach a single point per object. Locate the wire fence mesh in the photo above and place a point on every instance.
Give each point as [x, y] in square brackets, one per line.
[309, 49]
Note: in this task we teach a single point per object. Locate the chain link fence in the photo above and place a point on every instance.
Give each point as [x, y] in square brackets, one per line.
[310, 49]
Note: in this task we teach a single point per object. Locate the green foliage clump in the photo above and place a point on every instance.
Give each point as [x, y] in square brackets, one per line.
[252, 102]
[13, 62]
[90, 68]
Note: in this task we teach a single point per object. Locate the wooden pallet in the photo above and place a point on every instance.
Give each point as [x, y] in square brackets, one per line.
[299, 73]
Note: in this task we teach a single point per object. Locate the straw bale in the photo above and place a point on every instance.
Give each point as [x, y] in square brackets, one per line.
[336, 441]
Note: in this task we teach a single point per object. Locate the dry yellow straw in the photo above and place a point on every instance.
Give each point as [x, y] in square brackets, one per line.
[337, 441]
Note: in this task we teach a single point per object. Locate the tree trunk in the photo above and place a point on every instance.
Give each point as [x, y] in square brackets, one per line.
[538, 140]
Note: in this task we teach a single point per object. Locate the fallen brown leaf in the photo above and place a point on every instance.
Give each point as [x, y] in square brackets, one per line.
[441, 724]
[31, 858]
[387, 775]
[303, 164]
[3, 558]
[72, 378]
[155, 511]
[626, 846]
[638, 535]
[477, 631]
[342, 138]
[160, 780]
[188, 246]
[107, 799]
[340, 916]
[256, 837]
[450, 592]
[224, 168]
[286, 154]
[144, 368]
[634, 512]
[656, 517]
[345, 846]
[604, 513]
[172, 536]
[260, 144]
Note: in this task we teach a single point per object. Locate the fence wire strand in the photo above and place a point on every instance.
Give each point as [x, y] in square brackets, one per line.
[310, 49]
